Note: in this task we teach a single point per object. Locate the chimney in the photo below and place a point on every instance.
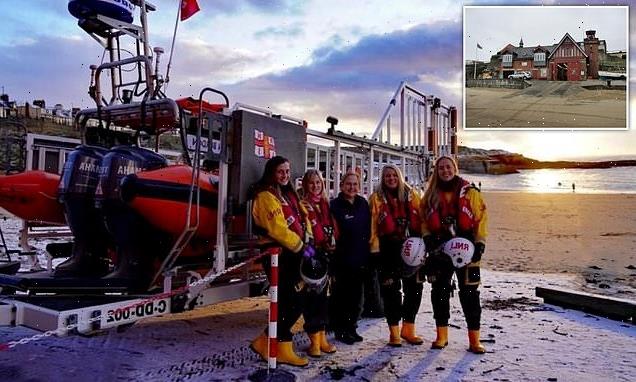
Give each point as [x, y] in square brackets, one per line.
[590, 44]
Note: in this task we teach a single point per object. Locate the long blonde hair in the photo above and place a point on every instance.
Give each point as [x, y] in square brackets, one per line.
[431, 197]
[402, 188]
[307, 177]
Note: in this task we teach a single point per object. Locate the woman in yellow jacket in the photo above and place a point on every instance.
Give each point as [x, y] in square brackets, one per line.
[278, 214]
[451, 207]
[394, 218]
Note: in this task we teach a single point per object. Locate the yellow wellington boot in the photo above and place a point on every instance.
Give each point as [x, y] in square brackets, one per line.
[287, 355]
[475, 345]
[408, 333]
[394, 338]
[325, 346]
[260, 346]
[314, 347]
[442, 338]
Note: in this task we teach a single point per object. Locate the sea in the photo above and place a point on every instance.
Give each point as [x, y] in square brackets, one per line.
[616, 180]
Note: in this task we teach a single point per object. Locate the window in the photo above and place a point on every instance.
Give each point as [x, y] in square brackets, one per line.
[35, 165]
[51, 161]
[525, 63]
[539, 57]
[507, 60]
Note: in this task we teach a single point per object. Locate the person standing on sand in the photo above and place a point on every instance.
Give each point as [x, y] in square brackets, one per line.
[278, 215]
[452, 207]
[351, 259]
[324, 231]
[395, 217]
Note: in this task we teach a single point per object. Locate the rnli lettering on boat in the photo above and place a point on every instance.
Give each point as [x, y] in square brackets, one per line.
[126, 170]
[90, 167]
[459, 245]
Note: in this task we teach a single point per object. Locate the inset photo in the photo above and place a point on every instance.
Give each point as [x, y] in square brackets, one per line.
[546, 67]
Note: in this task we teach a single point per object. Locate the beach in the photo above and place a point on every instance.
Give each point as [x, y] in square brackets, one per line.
[570, 241]
[591, 236]
[526, 340]
[547, 104]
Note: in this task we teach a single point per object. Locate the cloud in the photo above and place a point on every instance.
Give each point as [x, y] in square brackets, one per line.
[358, 81]
[237, 6]
[293, 31]
[200, 62]
[37, 70]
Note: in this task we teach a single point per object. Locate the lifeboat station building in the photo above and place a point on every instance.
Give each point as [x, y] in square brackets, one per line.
[566, 61]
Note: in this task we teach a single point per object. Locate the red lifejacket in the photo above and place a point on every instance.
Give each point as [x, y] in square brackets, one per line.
[291, 210]
[458, 207]
[322, 225]
[396, 215]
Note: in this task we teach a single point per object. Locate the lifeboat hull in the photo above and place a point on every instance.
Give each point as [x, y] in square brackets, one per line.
[32, 196]
[161, 197]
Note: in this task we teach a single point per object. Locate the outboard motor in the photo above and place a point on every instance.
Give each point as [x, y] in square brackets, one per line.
[77, 193]
[137, 243]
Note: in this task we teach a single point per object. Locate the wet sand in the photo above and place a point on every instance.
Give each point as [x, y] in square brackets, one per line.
[589, 235]
[592, 236]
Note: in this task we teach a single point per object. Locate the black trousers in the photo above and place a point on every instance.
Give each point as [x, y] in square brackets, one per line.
[290, 299]
[468, 278]
[372, 299]
[401, 296]
[315, 310]
[346, 299]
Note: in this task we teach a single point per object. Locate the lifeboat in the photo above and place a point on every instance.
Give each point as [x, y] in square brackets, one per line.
[33, 196]
[161, 197]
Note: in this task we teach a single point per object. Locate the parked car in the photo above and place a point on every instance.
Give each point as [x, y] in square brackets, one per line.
[520, 76]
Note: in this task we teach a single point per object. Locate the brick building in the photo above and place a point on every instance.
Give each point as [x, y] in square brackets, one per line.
[567, 60]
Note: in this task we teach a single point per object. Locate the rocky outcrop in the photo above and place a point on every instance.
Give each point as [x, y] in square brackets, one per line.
[497, 162]
[479, 164]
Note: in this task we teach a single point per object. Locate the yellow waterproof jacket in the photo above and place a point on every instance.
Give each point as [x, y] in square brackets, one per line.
[267, 212]
[377, 205]
[478, 209]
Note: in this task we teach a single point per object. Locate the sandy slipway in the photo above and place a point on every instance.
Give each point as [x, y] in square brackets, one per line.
[526, 341]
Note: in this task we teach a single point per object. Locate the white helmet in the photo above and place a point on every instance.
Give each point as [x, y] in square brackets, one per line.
[313, 271]
[413, 255]
[460, 251]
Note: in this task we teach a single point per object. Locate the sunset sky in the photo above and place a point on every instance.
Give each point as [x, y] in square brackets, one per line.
[307, 59]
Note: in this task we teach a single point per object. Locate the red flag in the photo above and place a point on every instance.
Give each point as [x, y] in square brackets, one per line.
[188, 8]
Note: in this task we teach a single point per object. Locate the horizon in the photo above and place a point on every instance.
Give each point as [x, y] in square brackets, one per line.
[296, 59]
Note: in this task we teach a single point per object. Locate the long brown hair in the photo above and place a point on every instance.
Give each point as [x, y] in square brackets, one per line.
[431, 197]
[269, 179]
[403, 188]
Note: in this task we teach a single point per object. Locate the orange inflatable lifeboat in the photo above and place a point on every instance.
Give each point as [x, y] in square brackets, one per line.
[32, 196]
[161, 197]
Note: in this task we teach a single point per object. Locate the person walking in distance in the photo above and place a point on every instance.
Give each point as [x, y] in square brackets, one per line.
[451, 208]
